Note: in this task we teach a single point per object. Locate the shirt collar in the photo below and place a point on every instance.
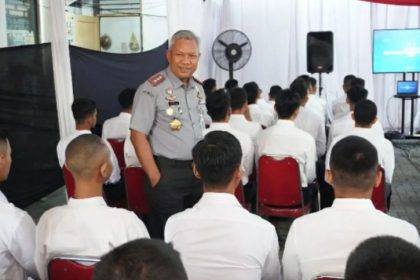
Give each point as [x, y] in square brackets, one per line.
[211, 198]
[176, 82]
[125, 115]
[287, 123]
[351, 203]
[84, 202]
[238, 117]
[219, 125]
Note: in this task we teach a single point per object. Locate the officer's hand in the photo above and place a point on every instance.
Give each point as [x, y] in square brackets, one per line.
[154, 179]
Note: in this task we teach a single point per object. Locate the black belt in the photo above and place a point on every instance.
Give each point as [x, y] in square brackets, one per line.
[172, 162]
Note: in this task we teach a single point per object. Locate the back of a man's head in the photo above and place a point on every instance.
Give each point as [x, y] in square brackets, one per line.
[218, 105]
[86, 155]
[216, 159]
[347, 82]
[5, 155]
[365, 113]
[141, 259]
[354, 165]
[126, 97]
[287, 102]
[274, 91]
[238, 98]
[300, 86]
[356, 94]
[384, 258]
[209, 85]
[82, 108]
[357, 82]
[231, 83]
[252, 91]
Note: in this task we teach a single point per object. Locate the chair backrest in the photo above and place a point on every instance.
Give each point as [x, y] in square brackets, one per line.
[379, 195]
[71, 268]
[279, 182]
[69, 181]
[134, 177]
[118, 147]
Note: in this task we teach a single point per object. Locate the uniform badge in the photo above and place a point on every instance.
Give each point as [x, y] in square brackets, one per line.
[170, 111]
[175, 125]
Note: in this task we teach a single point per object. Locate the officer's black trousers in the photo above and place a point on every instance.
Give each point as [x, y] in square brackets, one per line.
[176, 190]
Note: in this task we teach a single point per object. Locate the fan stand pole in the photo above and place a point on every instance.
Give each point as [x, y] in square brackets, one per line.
[320, 83]
[230, 70]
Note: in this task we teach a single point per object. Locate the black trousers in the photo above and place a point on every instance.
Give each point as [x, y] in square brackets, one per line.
[176, 190]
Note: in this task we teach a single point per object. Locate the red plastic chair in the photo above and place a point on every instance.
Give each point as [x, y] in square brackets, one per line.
[134, 177]
[379, 195]
[69, 181]
[71, 268]
[118, 147]
[279, 188]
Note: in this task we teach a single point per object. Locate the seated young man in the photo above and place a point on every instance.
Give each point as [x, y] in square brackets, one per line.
[86, 226]
[385, 258]
[141, 259]
[320, 243]
[17, 229]
[264, 117]
[285, 140]
[364, 116]
[217, 238]
[340, 107]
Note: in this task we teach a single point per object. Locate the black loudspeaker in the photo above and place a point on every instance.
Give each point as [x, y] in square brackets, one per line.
[319, 52]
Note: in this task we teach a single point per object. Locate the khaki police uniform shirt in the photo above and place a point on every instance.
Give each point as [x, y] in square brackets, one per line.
[150, 114]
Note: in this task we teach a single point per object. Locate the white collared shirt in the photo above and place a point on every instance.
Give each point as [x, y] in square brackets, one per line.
[320, 243]
[17, 243]
[240, 123]
[219, 239]
[247, 146]
[345, 124]
[383, 146]
[312, 123]
[3, 198]
[84, 227]
[64, 142]
[262, 117]
[130, 156]
[317, 105]
[340, 107]
[117, 127]
[284, 139]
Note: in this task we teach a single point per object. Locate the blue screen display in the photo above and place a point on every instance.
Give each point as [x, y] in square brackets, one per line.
[407, 87]
[396, 51]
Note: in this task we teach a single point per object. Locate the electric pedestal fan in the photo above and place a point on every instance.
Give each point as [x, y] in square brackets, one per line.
[231, 50]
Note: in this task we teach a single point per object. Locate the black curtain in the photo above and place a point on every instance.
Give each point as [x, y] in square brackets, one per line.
[28, 112]
[102, 76]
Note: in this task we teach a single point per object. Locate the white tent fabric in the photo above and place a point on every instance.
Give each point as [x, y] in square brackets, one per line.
[278, 29]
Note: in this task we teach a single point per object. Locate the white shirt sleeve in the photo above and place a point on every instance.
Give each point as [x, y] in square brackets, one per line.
[271, 269]
[23, 244]
[321, 140]
[248, 156]
[310, 166]
[41, 254]
[291, 267]
[115, 175]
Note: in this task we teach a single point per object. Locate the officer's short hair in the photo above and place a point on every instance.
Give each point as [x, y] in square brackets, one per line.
[252, 91]
[354, 164]
[85, 154]
[274, 91]
[218, 105]
[385, 258]
[231, 83]
[300, 86]
[216, 158]
[365, 112]
[184, 34]
[126, 97]
[141, 259]
[356, 94]
[287, 102]
[82, 108]
[237, 98]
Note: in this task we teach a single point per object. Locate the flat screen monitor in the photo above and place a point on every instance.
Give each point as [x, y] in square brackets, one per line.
[396, 51]
[407, 88]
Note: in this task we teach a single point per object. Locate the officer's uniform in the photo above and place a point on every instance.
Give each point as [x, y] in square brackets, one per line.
[172, 115]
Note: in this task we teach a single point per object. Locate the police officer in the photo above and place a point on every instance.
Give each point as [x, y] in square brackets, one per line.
[167, 121]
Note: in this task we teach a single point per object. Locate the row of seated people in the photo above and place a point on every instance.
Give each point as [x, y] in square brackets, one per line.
[217, 238]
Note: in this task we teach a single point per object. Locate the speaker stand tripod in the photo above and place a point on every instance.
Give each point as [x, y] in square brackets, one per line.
[320, 83]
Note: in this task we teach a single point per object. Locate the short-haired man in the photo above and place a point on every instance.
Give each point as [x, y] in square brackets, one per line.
[364, 116]
[385, 258]
[168, 120]
[141, 259]
[340, 107]
[284, 139]
[84, 113]
[86, 226]
[346, 123]
[209, 86]
[217, 238]
[231, 83]
[315, 103]
[264, 117]
[238, 120]
[17, 229]
[320, 243]
[272, 94]
[307, 119]
[119, 127]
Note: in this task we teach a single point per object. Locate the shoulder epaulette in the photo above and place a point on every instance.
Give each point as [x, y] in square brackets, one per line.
[156, 79]
[197, 80]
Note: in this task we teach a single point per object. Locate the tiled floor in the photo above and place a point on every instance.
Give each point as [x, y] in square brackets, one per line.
[405, 203]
